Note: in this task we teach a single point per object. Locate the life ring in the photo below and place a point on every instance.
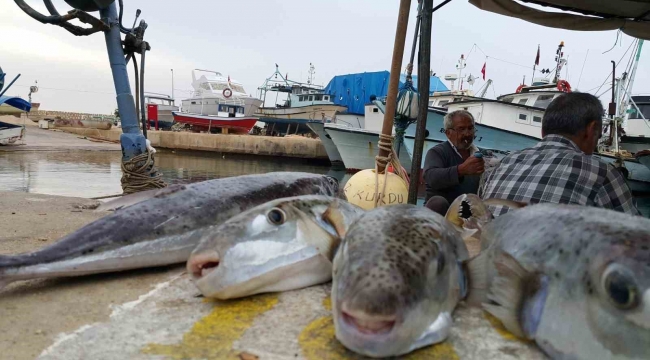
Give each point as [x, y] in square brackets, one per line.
[227, 93]
[520, 88]
[564, 86]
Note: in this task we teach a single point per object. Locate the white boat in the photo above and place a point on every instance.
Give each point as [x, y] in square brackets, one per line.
[637, 127]
[159, 110]
[358, 147]
[301, 104]
[218, 102]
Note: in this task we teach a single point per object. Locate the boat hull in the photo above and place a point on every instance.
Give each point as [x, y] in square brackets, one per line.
[10, 133]
[321, 112]
[358, 147]
[233, 124]
[332, 152]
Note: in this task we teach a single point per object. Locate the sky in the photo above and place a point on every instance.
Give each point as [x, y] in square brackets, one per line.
[246, 38]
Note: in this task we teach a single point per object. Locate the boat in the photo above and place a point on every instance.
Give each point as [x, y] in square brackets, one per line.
[304, 103]
[636, 137]
[217, 103]
[514, 121]
[352, 138]
[159, 110]
[10, 133]
[358, 147]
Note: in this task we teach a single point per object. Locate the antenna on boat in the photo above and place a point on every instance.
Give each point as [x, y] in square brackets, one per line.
[460, 66]
[559, 59]
[311, 72]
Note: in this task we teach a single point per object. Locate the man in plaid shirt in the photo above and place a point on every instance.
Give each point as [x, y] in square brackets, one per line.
[560, 168]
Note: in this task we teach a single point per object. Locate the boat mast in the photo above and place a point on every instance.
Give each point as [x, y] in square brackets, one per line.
[311, 72]
[560, 61]
[460, 66]
[627, 96]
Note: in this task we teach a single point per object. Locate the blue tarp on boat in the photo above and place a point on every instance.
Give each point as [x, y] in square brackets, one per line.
[354, 90]
[16, 102]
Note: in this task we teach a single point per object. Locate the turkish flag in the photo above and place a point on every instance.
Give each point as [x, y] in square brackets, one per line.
[483, 70]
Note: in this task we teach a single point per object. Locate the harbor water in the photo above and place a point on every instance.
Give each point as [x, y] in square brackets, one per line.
[90, 174]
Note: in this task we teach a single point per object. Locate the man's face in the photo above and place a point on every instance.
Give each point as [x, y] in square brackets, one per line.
[462, 133]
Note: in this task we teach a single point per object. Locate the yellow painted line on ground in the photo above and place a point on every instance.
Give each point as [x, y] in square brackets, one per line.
[501, 329]
[317, 341]
[212, 337]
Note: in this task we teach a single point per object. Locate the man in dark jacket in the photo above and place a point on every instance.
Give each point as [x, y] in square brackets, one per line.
[450, 168]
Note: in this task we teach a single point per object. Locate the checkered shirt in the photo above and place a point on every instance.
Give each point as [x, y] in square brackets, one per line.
[555, 170]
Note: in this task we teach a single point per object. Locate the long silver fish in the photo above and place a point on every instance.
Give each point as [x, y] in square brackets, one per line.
[282, 245]
[397, 278]
[160, 230]
[574, 279]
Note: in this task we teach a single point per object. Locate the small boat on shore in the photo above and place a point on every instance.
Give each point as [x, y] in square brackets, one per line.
[159, 110]
[218, 103]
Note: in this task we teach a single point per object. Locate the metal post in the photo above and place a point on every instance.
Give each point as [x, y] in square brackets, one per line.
[393, 82]
[132, 141]
[424, 66]
[174, 99]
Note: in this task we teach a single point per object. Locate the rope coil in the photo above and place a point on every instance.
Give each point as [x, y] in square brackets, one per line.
[139, 174]
[386, 143]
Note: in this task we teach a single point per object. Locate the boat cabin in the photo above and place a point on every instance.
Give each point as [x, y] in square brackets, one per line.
[637, 121]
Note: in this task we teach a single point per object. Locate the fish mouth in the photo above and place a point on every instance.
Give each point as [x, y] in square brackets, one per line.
[200, 265]
[369, 324]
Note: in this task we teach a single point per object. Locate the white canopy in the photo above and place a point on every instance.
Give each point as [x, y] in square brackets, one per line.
[631, 16]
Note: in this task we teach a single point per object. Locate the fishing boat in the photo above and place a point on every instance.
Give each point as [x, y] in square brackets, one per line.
[10, 133]
[218, 103]
[159, 110]
[303, 104]
[637, 129]
[352, 138]
[514, 121]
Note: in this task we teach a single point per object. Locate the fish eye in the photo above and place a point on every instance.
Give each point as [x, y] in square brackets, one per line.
[276, 216]
[620, 287]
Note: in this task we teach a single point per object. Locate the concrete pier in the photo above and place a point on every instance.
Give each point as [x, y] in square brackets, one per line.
[299, 147]
[156, 313]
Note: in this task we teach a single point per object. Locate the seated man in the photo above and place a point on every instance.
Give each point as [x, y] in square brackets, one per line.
[561, 168]
[450, 169]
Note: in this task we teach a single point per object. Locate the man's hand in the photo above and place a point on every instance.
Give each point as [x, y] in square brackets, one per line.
[471, 166]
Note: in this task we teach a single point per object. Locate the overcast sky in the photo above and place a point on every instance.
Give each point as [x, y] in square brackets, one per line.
[245, 38]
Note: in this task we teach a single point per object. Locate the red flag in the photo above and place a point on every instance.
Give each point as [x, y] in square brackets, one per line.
[537, 57]
[483, 70]
[228, 79]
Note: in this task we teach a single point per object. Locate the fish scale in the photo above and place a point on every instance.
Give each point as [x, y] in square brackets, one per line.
[169, 219]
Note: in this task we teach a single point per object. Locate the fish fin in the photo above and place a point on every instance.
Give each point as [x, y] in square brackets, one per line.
[504, 202]
[334, 217]
[468, 233]
[132, 199]
[507, 293]
[478, 279]
[324, 241]
[436, 333]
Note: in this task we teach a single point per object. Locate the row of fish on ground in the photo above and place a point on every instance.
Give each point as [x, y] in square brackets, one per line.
[574, 279]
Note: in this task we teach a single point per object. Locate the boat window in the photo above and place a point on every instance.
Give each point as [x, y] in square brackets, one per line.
[442, 103]
[240, 110]
[537, 119]
[543, 101]
[522, 101]
[508, 99]
[301, 98]
[311, 98]
[193, 102]
[318, 97]
[523, 117]
[218, 86]
[326, 98]
[204, 86]
[375, 110]
[645, 110]
[238, 88]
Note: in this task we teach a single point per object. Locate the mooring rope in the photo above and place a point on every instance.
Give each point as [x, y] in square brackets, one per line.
[139, 174]
[386, 143]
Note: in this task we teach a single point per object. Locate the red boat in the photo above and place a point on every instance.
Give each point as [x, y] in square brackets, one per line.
[208, 122]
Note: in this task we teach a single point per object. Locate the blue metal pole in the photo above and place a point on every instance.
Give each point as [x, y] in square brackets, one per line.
[132, 141]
